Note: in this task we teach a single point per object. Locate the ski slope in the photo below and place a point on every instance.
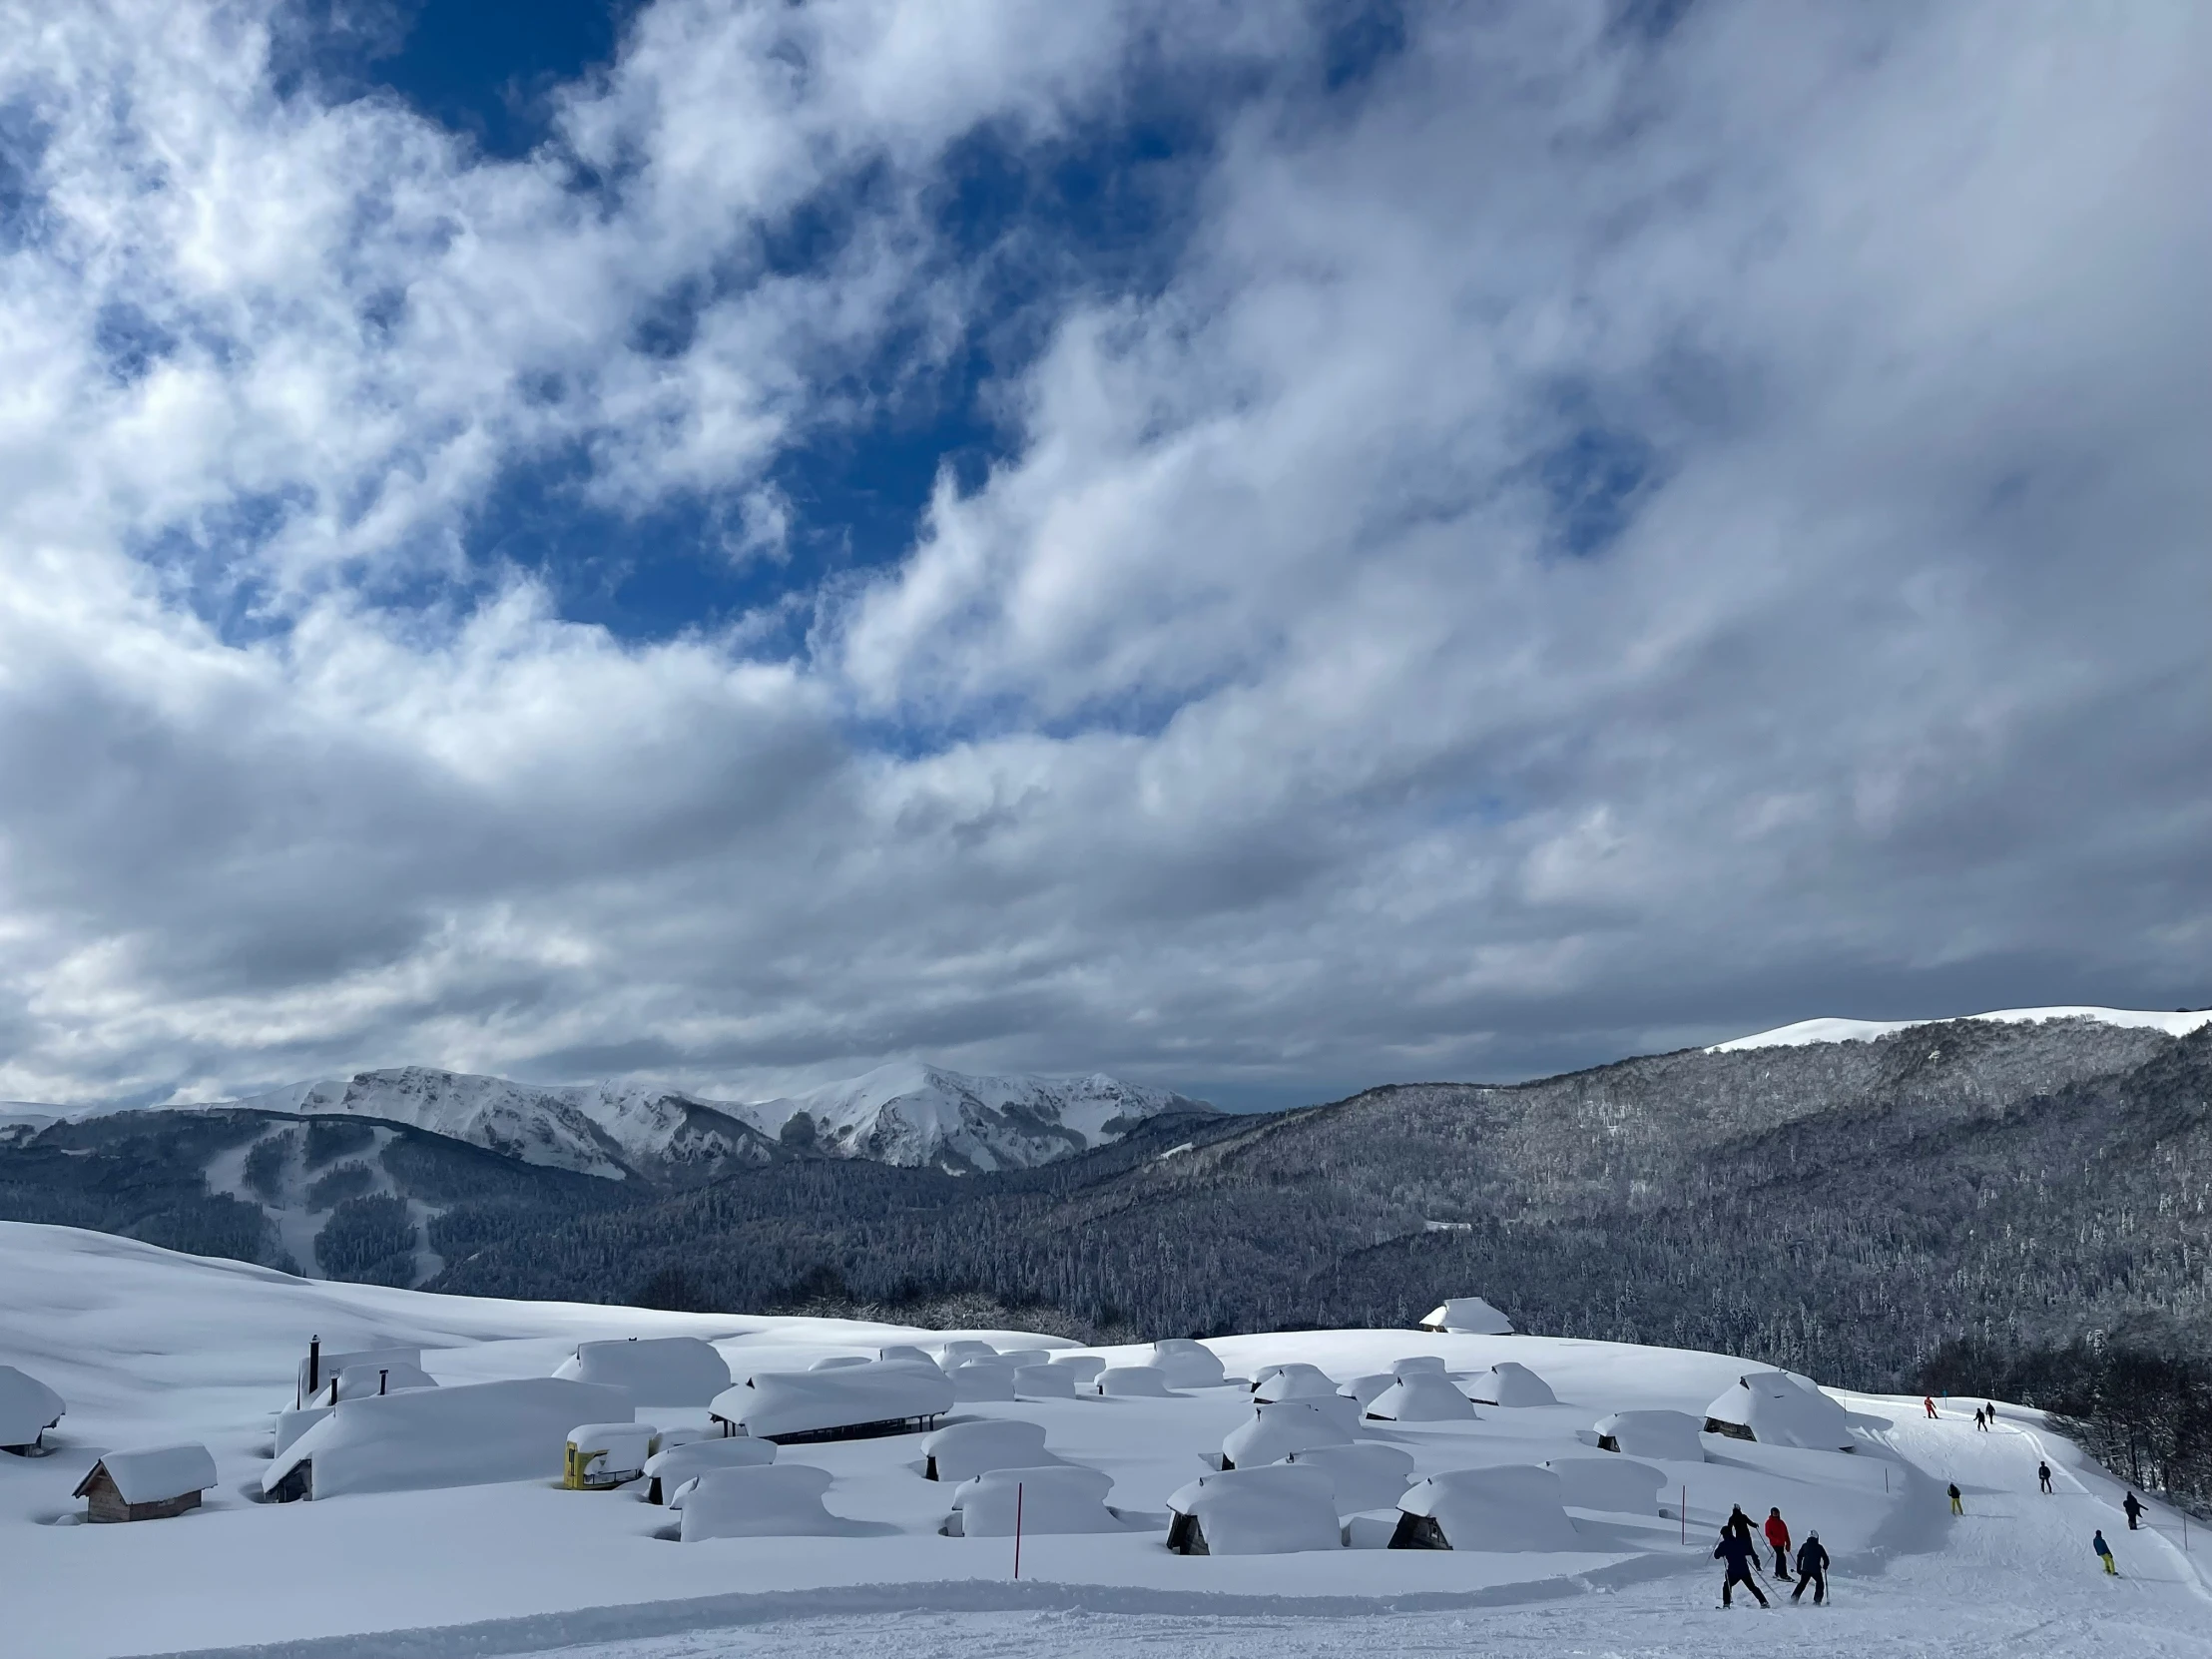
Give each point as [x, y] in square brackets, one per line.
[149, 1346]
[1805, 1032]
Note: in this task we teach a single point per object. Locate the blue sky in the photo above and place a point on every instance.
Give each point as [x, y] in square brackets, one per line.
[1264, 548]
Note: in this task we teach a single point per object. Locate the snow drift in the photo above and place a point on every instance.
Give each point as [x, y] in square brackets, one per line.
[1366, 1475]
[1620, 1485]
[28, 1409]
[657, 1370]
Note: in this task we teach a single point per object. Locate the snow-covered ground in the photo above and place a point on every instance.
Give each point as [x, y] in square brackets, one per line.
[148, 1346]
[2176, 1025]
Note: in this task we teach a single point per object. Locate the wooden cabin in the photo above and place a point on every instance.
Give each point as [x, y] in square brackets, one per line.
[148, 1484]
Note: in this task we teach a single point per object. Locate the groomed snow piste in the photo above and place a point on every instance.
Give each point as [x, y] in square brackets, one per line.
[835, 1546]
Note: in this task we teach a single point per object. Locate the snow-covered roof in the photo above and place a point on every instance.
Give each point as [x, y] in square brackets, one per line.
[1362, 1389]
[1279, 1429]
[979, 1379]
[2178, 1024]
[28, 1408]
[1365, 1476]
[330, 1363]
[676, 1465]
[1669, 1435]
[1275, 1509]
[1086, 1367]
[1053, 1498]
[1508, 1508]
[802, 1402]
[467, 1436]
[1422, 1397]
[1187, 1363]
[1622, 1486]
[1782, 1410]
[907, 1351]
[966, 1450]
[1509, 1383]
[1418, 1363]
[838, 1362]
[771, 1500]
[657, 1370]
[1469, 1316]
[1148, 1381]
[154, 1475]
[1293, 1382]
[1044, 1383]
[360, 1381]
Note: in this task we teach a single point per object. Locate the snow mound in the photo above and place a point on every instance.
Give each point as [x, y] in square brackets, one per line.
[657, 1370]
[1670, 1437]
[1084, 1367]
[1416, 1362]
[1508, 1509]
[1148, 1381]
[1365, 1476]
[1277, 1431]
[981, 1379]
[1469, 1316]
[473, 1434]
[1362, 1392]
[776, 1405]
[1807, 1031]
[1777, 1409]
[1277, 1510]
[28, 1409]
[1509, 1383]
[1293, 1382]
[771, 1500]
[1620, 1485]
[968, 1450]
[1053, 1498]
[1424, 1396]
[1044, 1383]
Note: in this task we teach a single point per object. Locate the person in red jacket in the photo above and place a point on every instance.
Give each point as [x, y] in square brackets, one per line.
[1778, 1540]
[1928, 1401]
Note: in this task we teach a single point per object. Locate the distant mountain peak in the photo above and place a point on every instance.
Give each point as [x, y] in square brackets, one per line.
[2176, 1025]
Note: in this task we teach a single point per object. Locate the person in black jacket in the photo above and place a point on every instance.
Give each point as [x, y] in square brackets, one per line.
[2042, 1474]
[2134, 1508]
[1812, 1568]
[1739, 1552]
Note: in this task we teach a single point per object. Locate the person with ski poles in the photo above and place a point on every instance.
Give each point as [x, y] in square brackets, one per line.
[1812, 1568]
[2042, 1476]
[2134, 1508]
[1736, 1549]
[1778, 1539]
[2104, 1552]
[1928, 1401]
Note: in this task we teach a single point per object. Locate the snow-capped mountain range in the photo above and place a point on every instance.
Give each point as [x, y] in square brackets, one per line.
[2179, 1023]
[907, 1113]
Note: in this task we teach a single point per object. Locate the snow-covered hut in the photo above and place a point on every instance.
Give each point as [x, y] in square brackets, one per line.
[658, 1370]
[964, 1347]
[1188, 1363]
[672, 1465]
[1148, 1381]
[1044, 1383]
[1469, 1316]
[1276, 1510]
[1509, 1384]
[1778, 1409]
[1364, 1391]
[1621, 1485]
[603, 1455]
[1296, 1381]
[147, 1484]
[771, 1500]
[320, 1369]
[1418, 1363]
[1279, 1428]
[838, 1362]
[1671, 1437]
[852, 1402]
[981, 1379]
[1020, 1357]
[1424, 1396]
[1512, 1507]
[361, 1381]
[907, 1351]
[1366, 1475]
[28, 1409]
[966, 1450]
[1054, 1498]
[1084, 1367]
[468, 1435]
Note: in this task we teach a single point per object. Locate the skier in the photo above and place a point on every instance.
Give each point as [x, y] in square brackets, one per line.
[1812, 1568]
[1957, 1508]
[2104, 1552]
[1736, 1549]
[1778, 1539]
[1929, 1402]
[2042, 1474]
[2134, 1508]
[1977, 1422]
[1739, 1523]
[1989, 1412]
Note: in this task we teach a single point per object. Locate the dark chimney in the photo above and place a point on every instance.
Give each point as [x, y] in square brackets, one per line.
[314, 1365]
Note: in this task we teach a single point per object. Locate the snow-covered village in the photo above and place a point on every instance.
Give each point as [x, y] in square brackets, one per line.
[1179, 828]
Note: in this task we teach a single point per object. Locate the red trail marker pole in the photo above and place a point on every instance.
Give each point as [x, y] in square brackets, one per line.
[1017, 1529]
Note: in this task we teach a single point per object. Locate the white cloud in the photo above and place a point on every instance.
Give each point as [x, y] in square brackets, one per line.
[1253, 720]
